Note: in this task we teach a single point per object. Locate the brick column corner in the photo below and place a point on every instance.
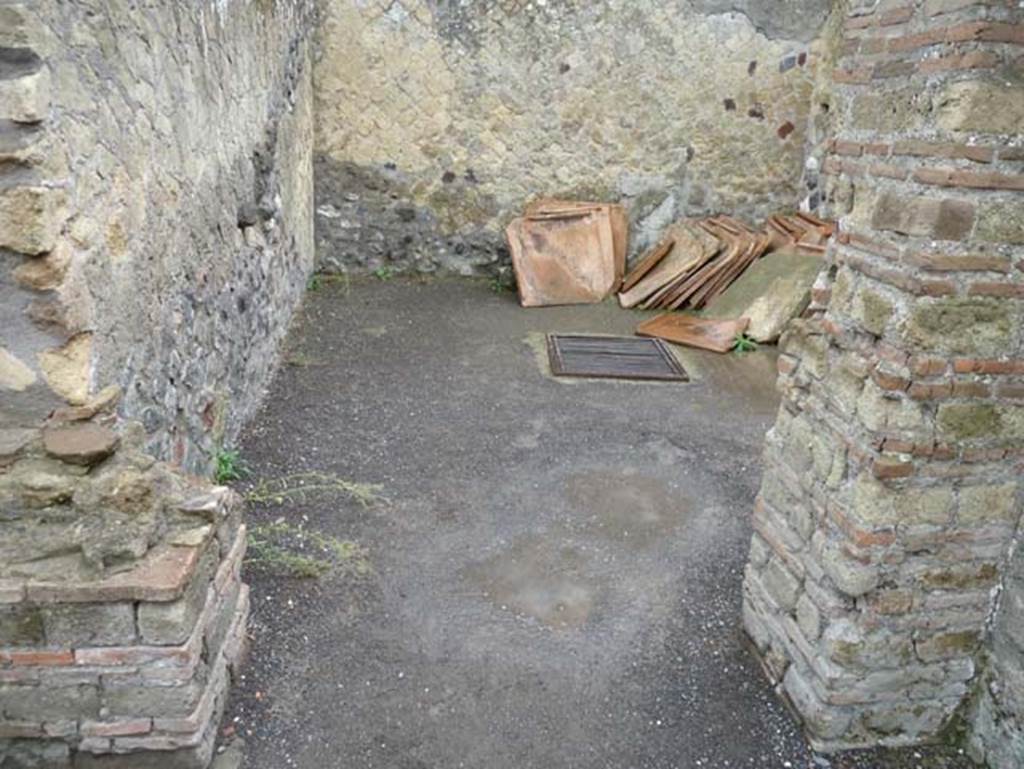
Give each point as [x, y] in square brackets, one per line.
[891, 490]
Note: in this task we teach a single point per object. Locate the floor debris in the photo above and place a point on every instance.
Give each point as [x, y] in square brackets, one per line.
[613, 357]
[737, 279]
[694, 262]
[568, 253]
[773, 291]
[706, 334]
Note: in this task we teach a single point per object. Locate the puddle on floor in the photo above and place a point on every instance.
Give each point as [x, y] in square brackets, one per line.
[637, 510]
[539, 579]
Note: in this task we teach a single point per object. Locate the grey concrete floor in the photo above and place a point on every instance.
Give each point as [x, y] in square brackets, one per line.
[555, 580]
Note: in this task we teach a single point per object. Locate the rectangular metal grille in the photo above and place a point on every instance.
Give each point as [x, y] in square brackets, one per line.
[613, 357]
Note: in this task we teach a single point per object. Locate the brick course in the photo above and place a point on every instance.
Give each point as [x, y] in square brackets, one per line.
[890, 498]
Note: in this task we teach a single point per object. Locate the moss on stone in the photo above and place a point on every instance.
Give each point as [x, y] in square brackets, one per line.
[962, 421]
[974, 326]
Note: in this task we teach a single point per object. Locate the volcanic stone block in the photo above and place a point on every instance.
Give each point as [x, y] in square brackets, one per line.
[771, 292]
[171, 622]
[30, 218]
[981, 105]
[80, 444]
[71, 626]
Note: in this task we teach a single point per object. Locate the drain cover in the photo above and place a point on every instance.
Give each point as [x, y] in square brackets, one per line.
[614, 357]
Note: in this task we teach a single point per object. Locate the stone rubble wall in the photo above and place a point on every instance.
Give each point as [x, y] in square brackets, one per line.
[891, 496]
[997, 714]
[156, 236]
[155, 208]
[438, 121]
[122, 610]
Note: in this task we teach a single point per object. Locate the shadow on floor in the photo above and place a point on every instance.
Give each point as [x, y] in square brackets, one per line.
[555, 579]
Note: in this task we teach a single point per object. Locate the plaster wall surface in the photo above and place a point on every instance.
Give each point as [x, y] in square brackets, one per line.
[437, 121]
[156, 207]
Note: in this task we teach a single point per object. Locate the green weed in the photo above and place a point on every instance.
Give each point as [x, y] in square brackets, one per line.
[288, 550]
[502, 282]
[300, 487]
[229, 466]
[301, 360]
[383, 273]
[743, 343]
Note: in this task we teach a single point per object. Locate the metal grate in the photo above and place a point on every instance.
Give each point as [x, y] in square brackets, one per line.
[613, 357]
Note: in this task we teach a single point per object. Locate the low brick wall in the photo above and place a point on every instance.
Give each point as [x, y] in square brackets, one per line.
[131, 666]
[891, 496]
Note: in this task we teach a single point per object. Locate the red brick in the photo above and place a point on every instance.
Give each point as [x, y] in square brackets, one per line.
[888, 468]
[943, 452]
[923, 391]
[888, 171]
[849, 47]
[162, 575]
[115, 656]
[896, 16]
[971, 390]
[937, 288]
[971, 365]
[872, 45]
[928, 366]
[125, 728]
[859, 22]
[858, 536]
[1002, 33]
[996, 289]
[786, 364]
[889, 381]
[897, 446]
[982, 455]
[858, 76]
[37, 658]
[982, 31]
[1011, 153]
[948, 263]
[12, 730]
[852, 149]
[972, 60]
[1013, 390]
[832, 166]
[873, 246]
[918, 40]
[881, 150]
[854, 170]
[919, 148]
[886, 70]
[894, 355]
[951, 177]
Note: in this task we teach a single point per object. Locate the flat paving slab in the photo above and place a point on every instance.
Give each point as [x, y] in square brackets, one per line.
[555, 578]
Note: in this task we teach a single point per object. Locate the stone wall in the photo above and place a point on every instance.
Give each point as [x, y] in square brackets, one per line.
[892, 483]
[155, 237]
[122, 611]
[437, 121]
[997, 714]
[155, 208]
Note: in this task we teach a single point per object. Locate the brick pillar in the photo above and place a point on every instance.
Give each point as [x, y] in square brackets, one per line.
[891, 487]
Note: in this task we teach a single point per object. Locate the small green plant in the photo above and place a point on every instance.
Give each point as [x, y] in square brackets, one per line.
[502, 282]
[383, 273]
[229, 466]
[744, 343]
[301, 360]
[315, 282]
[300, 487]
[289, 550]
